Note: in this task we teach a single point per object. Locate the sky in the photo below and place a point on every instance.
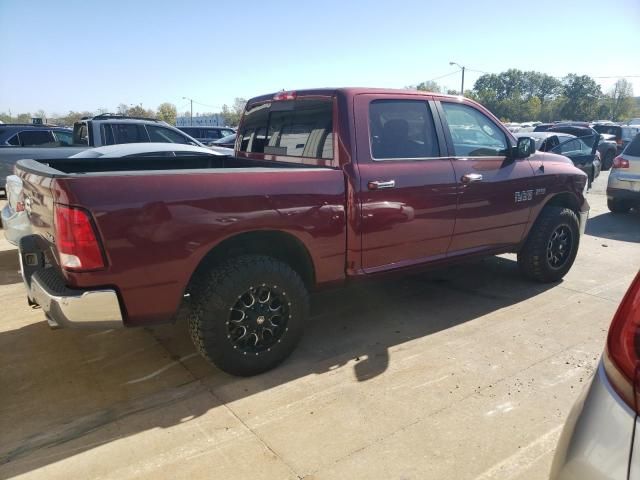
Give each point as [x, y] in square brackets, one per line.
[86, 55]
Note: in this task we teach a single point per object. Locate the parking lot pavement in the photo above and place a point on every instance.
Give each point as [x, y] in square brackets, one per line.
[465, 373]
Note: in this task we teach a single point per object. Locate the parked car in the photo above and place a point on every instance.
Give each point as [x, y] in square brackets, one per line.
[623, 133]
[105, 129]
[580, 150]
[623, 188]
[599, 440]
[33, 135]
[228, 141]
[237, 243]
[608, 149]
[542, 127]
[14, 217]
[207, 135]
[15, 221]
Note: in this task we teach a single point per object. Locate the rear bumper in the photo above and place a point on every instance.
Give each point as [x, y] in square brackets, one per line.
[597, 438]
[63, 306]
[15, 224]
[623, 194]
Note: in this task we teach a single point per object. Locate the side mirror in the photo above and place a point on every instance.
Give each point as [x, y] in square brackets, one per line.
[526, 146]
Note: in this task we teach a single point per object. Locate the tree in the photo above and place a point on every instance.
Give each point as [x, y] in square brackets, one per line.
[140, 111]
[620, 100]
[582, 94]
[123, 109]
[167, 112]
[232, 115]
[428, 86]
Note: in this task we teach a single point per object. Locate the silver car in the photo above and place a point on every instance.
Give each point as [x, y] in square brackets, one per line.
[14, 219]
[623, 189]
[600, 440]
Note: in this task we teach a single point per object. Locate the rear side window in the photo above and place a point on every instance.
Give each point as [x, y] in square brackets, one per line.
[36, 138]
[401, 129]
[194, 132]
[298, 128]
[165, 135]
[129, 133]
[633, 149]
[15, 141]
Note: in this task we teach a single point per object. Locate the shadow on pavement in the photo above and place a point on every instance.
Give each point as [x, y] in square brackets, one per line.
[71, 391]
[623, 227]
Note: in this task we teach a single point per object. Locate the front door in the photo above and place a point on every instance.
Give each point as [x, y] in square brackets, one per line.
[494, 190]
[407, 191]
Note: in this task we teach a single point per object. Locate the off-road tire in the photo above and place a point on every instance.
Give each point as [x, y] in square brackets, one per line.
[617, 205]
[213, 295]
[533, 257]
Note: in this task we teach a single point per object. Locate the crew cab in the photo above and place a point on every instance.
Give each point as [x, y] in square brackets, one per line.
[324, 186]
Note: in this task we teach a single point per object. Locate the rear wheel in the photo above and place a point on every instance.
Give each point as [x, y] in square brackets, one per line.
[248, 314]
[617, 205]
[552, 245]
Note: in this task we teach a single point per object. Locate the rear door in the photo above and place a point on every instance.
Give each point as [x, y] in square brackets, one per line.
[407, 192]
[494, 190]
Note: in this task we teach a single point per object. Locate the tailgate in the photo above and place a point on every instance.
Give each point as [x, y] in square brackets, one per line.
[38, 193]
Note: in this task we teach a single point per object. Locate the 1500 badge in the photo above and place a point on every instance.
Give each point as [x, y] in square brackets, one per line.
[527, 195]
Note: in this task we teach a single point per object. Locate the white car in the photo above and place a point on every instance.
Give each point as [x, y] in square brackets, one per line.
[14, 218]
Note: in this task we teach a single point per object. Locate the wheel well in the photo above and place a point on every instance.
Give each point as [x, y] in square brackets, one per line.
[565, 200]
[280, 245]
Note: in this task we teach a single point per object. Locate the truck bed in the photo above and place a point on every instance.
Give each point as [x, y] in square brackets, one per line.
[64, 167]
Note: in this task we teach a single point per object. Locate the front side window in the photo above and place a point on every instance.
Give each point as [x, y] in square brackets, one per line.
[400, 129]
[129, 133]
[36, 138]
[64, 138]
[165, 135]
[298, 128]
[473, 134]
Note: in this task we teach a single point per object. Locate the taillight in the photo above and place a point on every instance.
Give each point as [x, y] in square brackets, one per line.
[285, 96]
[622, 356]
[620, 162]
[76, 240]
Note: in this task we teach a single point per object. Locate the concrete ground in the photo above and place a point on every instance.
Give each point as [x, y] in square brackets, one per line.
[460, 373]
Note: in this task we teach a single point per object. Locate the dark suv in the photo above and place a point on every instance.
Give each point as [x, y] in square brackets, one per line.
[624, 133]
[207, 135]
[31, 135]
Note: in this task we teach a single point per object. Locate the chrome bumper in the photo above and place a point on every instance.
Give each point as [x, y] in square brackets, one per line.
[63, 306]
[584, 216]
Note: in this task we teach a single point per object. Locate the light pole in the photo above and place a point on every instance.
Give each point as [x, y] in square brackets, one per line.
[462, 68]
[190, 100]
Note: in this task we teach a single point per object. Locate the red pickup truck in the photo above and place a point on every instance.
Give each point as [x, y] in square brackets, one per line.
[324, 186]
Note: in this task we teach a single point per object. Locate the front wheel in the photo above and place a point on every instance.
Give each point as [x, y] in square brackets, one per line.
[552, 245]
[248, 314]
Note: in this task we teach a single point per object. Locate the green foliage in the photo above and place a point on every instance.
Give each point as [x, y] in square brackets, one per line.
[428, 86]
[232, 115]
[167, 112]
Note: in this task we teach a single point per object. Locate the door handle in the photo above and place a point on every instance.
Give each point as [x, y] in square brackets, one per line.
[379, 185]
[471, 177]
